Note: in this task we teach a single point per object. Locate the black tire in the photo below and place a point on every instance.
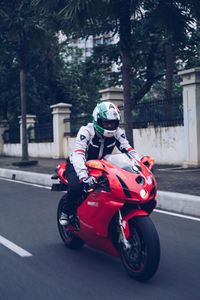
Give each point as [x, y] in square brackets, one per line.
[68, 237]
[142, 260]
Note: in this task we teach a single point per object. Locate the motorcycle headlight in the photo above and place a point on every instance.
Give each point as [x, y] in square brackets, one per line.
[144, 194]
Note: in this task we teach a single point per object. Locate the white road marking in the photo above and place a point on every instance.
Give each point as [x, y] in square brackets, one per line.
[13, 247]
[176, 215]
[179, 169]
[156, 210]
[27, 183]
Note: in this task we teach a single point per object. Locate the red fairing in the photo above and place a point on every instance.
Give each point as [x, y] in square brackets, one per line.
[118, 177]
[61, 172]
[148, 161]
[126, 185]
[131, 215]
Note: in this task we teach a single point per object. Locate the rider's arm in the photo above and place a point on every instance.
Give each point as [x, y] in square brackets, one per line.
[123, 144]
[79, 154]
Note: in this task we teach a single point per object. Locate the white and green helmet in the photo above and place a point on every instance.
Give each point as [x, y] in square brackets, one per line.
[106, 118]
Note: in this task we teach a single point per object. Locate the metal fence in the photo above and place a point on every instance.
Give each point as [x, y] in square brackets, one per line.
[157, 113]
[77, 122]
[40, 133]
[11, 135]
[37, 134]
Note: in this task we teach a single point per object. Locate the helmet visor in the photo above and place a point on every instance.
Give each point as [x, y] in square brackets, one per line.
[109, 124]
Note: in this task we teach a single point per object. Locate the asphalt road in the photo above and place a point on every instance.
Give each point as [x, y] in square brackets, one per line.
[28, 219]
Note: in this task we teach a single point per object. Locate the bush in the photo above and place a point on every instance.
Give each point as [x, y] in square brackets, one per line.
[25, 163]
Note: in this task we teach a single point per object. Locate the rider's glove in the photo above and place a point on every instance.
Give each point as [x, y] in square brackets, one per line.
[134, 154]
[90, 181]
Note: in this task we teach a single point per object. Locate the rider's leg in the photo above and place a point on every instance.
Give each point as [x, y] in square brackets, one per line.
[72, 196]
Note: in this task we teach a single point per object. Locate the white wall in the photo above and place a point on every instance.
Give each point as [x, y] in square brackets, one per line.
[40, 149]
[68, 145]
[164, 144]
[34, 149]
[12, 150]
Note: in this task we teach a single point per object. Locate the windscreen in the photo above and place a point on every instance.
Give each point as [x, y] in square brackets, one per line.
[124, 162]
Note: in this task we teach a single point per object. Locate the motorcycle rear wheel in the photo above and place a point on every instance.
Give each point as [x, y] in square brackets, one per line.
[67, 235]
[141, 260]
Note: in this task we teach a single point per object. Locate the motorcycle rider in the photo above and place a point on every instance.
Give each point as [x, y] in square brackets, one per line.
[93, 141]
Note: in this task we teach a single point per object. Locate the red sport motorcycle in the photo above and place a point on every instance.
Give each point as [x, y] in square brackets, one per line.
[113, 216]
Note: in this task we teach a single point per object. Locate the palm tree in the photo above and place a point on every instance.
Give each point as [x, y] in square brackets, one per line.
[13, 27]
[170, 16]
[25, 29]
[123, 11]
[118, 12]
[172, 19]
[22, 71]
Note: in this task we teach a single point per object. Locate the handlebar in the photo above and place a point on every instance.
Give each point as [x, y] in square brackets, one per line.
[100, 180]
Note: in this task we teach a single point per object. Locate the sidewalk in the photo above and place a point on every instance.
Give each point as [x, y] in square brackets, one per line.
[178, 188]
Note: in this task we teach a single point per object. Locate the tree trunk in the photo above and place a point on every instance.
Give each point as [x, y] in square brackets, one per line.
[21, 59]
[169, 79]
[51, 72]
[169, 69]
[125, 51]
[5, 110]
[127, 97]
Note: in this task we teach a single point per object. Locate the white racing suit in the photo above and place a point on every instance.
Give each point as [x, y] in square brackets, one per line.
[90, 145]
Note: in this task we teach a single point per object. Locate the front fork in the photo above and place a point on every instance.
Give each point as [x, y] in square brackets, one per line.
[123, 225]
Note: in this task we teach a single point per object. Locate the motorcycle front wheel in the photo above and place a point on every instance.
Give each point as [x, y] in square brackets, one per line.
[141, 259]
[67, 235]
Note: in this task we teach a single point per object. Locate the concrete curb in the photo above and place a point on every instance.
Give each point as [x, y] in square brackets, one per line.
[179, 203]
[176, 202]
[31, 177]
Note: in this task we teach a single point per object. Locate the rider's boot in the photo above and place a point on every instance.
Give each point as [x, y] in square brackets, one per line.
[66, 219]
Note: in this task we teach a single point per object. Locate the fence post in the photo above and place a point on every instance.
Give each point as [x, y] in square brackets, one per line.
[191, 106]
[60, 112]
[114, 95]
[30, 123]
[3, 127]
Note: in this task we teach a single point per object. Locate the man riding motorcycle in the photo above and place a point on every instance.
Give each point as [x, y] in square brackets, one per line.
[93, 141]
